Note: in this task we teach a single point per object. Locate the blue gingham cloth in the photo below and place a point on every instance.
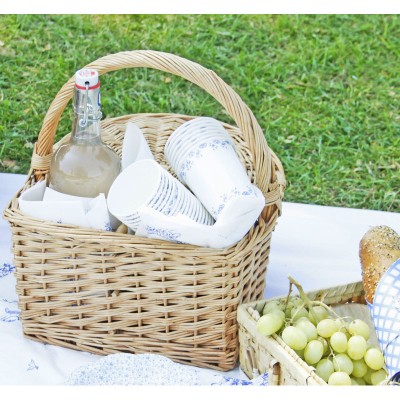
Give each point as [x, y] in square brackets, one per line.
[385, 312]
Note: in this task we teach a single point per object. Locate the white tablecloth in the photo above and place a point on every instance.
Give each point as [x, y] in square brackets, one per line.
[317, 245]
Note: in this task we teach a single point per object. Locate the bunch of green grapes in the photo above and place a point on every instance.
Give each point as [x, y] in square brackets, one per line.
[338, 349]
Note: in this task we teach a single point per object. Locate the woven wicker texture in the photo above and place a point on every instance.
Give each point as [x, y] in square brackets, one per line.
[259, 354]
[107, 292]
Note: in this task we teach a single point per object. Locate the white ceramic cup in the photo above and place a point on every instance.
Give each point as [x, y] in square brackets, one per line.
[215, 175]
[146, 184]
[202, 154]
[196, 129]
[180, 152]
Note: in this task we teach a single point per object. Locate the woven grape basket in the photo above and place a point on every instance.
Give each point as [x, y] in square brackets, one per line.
[260, 354]
[106, 292]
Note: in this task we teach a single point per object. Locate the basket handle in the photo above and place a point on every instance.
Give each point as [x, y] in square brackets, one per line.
[193, 72]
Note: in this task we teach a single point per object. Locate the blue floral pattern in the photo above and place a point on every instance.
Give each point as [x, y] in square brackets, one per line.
[9, 314]
[225, 197]
[261, 380]
[197, 153]
[152, 369]
[32, 366]
[6, 269]
[163, 233]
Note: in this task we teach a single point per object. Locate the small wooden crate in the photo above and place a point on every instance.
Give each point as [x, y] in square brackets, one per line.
[259, 354]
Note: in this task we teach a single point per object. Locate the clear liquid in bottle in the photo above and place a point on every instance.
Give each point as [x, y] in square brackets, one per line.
[85, 166]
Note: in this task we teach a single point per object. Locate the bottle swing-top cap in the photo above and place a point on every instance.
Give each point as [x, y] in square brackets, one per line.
[87, 95]
[87, 76]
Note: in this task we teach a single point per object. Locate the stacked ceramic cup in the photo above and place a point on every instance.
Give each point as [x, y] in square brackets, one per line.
[146, 184]
[203, 156]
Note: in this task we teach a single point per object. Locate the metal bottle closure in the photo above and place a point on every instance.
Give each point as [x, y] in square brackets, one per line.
[87, 106]
[87, 96]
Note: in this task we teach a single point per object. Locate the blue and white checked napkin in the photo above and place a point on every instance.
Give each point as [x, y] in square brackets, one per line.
[385, 312]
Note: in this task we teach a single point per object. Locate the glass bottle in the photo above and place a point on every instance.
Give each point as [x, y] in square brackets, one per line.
[85, 166]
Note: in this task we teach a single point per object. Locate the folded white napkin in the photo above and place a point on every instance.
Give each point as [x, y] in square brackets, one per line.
[45, 203]
[134, 146]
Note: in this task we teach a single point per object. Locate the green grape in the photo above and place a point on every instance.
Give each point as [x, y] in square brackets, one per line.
[359, 327]
[339, 379]
[297, 301]
[269, 306]
[343, 363]
[325, 344]
[378, 376]
[356, 347]
[291, 302]
[302, 319]
[325, 369]
[321, 313]
[374, 359]
[269, 324]
[298, 312]
[360, 381]
[359, 368]
[353, 382]
[370, 345]
[367, 376]
[345, 325]
[294, 338]
[339, 324]
[313, 352]
[288, 309]
[338, 342]
[307, 327]
[300, 353]
[279, 313]
[326, 327]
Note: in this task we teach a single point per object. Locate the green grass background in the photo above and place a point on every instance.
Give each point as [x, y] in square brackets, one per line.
[325, 88]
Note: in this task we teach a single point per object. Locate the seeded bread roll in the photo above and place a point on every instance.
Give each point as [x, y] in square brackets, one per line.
[379, 249]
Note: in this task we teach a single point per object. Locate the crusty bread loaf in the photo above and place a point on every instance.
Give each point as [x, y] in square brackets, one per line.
[379, 249]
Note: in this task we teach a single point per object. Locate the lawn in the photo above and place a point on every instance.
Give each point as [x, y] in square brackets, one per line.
[324, 88]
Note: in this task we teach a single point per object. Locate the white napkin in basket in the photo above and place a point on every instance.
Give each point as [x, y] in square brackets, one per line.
[134, 146]
[44, 203]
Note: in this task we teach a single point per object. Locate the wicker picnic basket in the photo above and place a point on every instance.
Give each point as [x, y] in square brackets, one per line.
[107, 292]
[260, 354]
